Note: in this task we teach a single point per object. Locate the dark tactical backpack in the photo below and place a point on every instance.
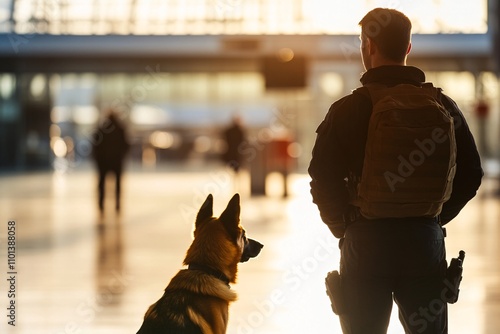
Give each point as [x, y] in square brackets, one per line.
[409, 161]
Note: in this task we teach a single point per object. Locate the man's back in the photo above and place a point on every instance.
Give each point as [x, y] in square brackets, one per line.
[410, 153]
[345, 129]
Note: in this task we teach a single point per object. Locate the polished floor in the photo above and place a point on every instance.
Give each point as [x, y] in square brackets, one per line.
[77, 272]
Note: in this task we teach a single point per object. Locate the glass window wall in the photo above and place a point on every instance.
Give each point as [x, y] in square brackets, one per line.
[199, 17]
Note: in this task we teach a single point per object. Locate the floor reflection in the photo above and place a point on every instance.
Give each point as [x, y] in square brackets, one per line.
[81, 273]
[110, 282]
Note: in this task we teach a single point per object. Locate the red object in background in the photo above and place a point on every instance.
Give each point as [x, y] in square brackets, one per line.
[278, 158]
[482, 109]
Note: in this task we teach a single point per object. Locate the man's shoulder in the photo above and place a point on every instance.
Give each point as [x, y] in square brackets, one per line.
[349, 104]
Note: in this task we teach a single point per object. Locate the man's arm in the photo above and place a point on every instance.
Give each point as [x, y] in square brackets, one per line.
[328, 172]
[469, 172]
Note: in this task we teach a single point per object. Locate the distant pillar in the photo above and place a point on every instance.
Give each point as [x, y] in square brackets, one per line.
[481, 112]
[258, 173]
[35, 105]
[10, 123]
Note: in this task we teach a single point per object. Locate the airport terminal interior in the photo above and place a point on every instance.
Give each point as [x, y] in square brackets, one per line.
[177, 73]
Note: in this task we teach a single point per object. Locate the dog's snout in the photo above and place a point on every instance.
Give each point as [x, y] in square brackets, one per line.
[252, 249]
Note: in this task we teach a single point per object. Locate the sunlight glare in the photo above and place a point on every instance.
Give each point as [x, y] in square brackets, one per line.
[428, 16]
[198, 17]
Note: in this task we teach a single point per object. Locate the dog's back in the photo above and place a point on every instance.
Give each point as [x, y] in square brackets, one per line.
[169, 315]
[194, 302]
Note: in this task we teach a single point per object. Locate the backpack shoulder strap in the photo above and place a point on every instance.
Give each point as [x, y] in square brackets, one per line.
[361, 91]
[437, 90]
[370, 91]
[374, 92]
[378, 92]
[366, 91]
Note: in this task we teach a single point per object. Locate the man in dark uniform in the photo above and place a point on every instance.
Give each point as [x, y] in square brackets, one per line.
[386, 259]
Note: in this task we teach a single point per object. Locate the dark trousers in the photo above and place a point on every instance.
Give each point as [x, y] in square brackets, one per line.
[404, 261]
[103, 172]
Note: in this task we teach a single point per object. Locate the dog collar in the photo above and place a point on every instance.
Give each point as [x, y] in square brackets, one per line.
[209, 270]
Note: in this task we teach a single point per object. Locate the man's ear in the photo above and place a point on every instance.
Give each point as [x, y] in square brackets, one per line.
[409, 49]
[372, 47]
[206, 210]
[230, 218]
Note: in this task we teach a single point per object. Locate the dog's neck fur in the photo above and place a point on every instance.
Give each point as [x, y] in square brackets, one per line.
[211, 271]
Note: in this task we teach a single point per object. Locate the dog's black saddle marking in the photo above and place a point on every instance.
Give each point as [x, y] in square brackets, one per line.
[209, 270]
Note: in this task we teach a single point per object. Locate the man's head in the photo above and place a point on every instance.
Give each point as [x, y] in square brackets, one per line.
[385, 37]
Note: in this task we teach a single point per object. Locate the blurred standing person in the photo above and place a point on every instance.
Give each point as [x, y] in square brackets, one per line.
[234, 135]
[398, 255]
[110, 146]
[482, 111]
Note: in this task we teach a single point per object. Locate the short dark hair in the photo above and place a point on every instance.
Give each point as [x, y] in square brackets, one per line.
[390, 30]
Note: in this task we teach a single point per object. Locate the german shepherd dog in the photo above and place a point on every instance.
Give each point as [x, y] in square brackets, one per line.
[196, 301]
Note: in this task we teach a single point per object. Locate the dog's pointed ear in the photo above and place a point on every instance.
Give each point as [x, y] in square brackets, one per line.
[231, 215]
[206, 210]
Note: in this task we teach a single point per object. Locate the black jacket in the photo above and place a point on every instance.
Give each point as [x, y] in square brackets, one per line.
[340, 148]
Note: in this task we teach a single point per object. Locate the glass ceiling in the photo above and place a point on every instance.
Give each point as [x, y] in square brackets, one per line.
[230, 17]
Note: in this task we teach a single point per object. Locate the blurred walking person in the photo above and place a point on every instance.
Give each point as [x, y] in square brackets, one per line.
[110, 147]
[234, 136]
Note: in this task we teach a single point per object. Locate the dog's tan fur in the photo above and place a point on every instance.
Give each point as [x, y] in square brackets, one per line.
[195, 297]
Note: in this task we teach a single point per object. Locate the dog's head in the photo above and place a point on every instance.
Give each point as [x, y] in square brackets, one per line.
[221, 242]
